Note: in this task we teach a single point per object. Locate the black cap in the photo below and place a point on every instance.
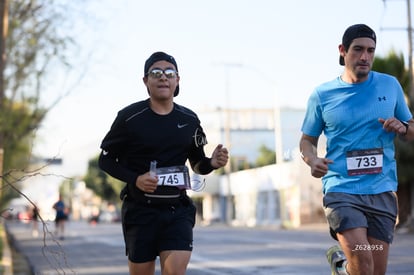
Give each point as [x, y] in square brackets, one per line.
[160, 56]
[356, 31]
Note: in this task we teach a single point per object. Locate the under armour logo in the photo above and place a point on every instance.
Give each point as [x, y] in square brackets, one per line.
[382, 98]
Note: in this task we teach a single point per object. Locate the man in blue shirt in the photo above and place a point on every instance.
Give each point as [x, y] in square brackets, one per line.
[360, 113]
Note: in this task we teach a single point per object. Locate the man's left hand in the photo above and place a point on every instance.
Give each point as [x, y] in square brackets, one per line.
[219, 157]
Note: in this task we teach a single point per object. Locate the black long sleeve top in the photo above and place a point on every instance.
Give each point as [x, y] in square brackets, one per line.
[138, 136]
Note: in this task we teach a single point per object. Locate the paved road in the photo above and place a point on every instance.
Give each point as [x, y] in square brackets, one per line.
[218, 250]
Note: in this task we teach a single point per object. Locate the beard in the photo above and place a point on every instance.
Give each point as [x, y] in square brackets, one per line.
[362, 74]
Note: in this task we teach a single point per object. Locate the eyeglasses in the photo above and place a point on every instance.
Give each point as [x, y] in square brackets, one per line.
[157, 73]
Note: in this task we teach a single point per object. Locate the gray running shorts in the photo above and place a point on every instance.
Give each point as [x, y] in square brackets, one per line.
[376, 212]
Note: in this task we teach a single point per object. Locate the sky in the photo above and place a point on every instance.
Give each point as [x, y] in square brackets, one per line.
[230, 54]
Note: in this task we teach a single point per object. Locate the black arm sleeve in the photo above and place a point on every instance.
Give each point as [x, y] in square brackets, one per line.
[203, 167]
[197, 157]
[113, 167]
[113, 148]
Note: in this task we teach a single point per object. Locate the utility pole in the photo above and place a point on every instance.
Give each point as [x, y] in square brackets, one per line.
[410, 54]
[411, 92]
[409, 30]
[227, 132]
[4, 19]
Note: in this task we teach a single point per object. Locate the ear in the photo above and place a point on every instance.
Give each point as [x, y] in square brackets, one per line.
[145, 80]
[342, 50]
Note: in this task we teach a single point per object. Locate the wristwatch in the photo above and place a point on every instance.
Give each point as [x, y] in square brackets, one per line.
[406, 127]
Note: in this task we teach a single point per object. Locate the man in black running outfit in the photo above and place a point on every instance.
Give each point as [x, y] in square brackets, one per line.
[157, 215]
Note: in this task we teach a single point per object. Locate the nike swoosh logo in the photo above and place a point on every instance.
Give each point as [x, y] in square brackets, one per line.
[181, 125]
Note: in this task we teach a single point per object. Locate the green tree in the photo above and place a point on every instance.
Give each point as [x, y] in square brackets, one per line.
[394, 64]
[266, 156]
[19, 135]
[105, 186]
[35, 46]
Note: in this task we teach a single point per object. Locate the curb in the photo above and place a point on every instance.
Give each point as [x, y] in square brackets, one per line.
[7, 262]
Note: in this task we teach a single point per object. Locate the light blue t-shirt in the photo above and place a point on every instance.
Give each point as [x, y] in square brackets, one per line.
[348, 116]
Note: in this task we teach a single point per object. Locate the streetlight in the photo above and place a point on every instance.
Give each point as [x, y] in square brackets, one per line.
[228, 210]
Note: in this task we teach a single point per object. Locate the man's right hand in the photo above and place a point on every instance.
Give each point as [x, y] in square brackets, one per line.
[319, 167]
[147, 183]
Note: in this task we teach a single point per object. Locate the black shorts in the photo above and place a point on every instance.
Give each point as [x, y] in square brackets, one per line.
[61, 218]
[148, 230]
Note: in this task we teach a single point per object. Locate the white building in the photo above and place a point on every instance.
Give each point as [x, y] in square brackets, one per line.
[282, 194]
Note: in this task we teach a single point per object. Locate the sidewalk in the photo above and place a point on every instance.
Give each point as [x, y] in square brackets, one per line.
[6, 261]
[47, 255]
